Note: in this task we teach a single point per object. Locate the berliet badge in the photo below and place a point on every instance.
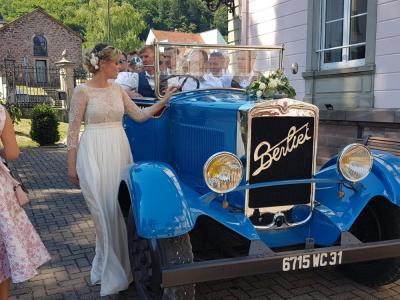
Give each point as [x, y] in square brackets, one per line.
[267, 154]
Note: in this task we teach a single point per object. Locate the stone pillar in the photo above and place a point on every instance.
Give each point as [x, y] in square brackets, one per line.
[66, 78]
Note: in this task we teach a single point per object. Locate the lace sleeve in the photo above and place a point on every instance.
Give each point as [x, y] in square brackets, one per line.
[2, 117]
[75, 116]
[139, 115]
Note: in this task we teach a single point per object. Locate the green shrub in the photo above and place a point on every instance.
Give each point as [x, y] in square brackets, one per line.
[44, 129]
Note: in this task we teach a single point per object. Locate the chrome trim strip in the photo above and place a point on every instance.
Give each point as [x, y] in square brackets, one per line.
[241, 128]
[208, 46]
[213, 195]
[157, 46]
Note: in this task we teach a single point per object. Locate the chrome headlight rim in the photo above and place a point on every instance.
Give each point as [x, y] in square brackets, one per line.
[344, 152]
[213, 157]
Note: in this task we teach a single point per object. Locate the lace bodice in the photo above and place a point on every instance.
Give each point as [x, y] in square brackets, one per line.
[101, 105]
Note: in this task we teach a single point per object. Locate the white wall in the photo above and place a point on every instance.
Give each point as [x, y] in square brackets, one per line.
[273, 22]
[387, 59]
[213, 37]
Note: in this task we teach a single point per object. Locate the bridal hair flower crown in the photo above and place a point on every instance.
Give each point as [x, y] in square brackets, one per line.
[94, 61]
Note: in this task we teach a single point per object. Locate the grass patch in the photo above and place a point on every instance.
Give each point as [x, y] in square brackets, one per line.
[24, 139]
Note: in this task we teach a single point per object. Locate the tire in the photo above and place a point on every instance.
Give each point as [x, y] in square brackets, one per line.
[378, 221]
[147, 257]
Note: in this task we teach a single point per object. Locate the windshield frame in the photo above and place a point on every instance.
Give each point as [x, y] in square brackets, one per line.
[159, 45]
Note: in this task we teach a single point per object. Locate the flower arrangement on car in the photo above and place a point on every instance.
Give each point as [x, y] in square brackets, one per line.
[271, 84]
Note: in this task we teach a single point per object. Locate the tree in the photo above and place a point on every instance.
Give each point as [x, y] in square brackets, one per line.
[62, 10]
[131, 19]
[126, 24]
[182, 15]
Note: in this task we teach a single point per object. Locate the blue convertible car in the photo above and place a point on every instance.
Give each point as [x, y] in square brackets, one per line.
[226, 185]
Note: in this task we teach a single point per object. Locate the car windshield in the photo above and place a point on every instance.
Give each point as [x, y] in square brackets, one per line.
[191, 67]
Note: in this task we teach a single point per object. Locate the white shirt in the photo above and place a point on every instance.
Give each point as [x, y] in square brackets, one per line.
[206, 81]
[130, 81]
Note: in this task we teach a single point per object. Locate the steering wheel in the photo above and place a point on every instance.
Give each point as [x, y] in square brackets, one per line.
[164, 80]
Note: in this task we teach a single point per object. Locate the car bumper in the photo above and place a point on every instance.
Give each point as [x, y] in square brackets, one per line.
[269, 261]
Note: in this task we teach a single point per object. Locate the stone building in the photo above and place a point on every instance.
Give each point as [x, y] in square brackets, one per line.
[29, 48]
[37, 40]
[348, 57]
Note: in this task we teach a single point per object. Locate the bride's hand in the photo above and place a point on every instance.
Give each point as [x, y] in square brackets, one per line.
[73, 177]
[168, 94]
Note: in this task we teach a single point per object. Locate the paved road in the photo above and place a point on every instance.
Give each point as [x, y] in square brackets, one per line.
[63, 221]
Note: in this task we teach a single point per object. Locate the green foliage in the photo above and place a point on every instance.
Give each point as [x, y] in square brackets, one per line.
[130, 19]
[13, 110]
[182, 15]
[63, 10]
[126, 24]
[45, 123]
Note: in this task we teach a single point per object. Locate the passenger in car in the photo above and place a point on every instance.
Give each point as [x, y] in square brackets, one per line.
[197, 69]
[244, 72]
[217, 63]
[140, 84]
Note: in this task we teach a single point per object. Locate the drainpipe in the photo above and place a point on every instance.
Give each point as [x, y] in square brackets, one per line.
[244, 15]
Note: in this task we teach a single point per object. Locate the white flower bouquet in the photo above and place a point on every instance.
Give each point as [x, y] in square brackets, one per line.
[271, 85]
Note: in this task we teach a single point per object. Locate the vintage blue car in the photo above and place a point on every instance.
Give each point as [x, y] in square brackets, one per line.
[226, 185]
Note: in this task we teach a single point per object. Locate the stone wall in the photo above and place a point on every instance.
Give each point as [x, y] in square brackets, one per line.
[356, 127]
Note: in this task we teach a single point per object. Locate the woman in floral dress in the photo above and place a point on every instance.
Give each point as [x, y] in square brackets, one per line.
[21, 250]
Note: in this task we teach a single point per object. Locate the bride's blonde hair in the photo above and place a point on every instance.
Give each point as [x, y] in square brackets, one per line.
[100, 52]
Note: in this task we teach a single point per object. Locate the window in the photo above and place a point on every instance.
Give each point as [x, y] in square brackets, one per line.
[344, 32]
[39, 46]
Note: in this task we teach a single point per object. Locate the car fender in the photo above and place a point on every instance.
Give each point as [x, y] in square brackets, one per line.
[383, 181]
[157, 200]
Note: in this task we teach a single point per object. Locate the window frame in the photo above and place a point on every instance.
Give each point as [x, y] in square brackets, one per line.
[345, 63]
[43, 48]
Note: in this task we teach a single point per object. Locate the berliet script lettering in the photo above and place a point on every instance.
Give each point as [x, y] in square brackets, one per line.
[292, 141]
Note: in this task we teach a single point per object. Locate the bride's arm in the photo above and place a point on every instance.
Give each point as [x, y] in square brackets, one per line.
[75, 117]
[141, 115]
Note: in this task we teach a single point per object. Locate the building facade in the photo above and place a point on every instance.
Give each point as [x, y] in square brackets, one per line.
[36, 39]
[347, 57]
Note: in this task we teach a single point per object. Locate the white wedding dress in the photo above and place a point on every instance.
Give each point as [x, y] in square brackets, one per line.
[102, 153]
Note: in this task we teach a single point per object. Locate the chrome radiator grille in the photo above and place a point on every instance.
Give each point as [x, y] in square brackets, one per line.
[281, 149]
[279, 138]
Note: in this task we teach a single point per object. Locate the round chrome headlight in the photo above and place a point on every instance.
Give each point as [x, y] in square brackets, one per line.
[223, 172]
[355, 162]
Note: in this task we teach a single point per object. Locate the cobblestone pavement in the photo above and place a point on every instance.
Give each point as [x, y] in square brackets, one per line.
[62, 219]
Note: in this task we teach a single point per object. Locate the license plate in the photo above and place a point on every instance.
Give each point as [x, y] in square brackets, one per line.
[314, 260]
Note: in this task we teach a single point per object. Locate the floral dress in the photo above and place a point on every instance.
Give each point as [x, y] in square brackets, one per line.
[21, 250]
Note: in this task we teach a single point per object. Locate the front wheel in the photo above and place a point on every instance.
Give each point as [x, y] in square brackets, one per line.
[378, 221]
[147, 257]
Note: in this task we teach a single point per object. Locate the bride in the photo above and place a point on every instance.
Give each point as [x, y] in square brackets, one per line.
[96, 161]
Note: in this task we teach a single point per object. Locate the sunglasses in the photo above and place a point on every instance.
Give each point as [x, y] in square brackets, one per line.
[136, 61]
